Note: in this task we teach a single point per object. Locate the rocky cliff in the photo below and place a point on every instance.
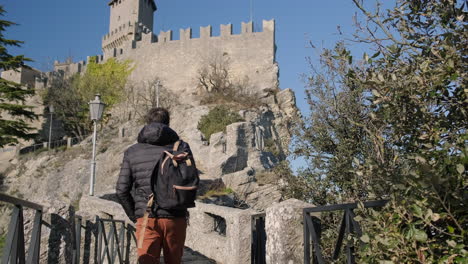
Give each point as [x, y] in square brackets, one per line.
[59, 178]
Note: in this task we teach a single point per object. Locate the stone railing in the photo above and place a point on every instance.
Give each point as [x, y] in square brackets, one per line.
[220, 233]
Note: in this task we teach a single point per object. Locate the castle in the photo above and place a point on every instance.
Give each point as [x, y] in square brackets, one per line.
[176, 63]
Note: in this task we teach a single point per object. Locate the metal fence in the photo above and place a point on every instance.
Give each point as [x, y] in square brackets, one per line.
[258, 252]
[112, 244]
[312, 229]
[14, 251]
[53, 145]
[112, 238]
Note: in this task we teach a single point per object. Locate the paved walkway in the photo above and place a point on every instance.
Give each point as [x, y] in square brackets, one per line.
[193, 257]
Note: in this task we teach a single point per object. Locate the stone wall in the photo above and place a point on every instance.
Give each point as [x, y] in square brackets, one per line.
[220, 233]
[176, 63]
[22, 76]
[284, 227]
[26, 77]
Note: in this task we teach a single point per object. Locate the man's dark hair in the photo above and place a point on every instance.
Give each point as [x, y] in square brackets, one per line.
[157, 115]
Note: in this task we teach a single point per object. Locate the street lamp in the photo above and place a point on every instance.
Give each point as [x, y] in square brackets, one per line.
[51, 111]
[96, 108]
[158, 87]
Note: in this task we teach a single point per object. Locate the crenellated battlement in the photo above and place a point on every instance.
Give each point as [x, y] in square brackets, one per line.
[68, 67]
[135, 41]
[247, 28]
[130, 36]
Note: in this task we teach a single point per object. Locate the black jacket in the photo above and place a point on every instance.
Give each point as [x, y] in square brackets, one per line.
[137, 167]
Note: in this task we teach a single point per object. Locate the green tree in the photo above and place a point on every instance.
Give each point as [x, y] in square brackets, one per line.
[70, 96]
[394, 125]
[70, 107]
[13, 111]
[108, 79]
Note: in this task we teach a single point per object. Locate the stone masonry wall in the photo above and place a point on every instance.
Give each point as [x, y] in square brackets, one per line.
[176, 63]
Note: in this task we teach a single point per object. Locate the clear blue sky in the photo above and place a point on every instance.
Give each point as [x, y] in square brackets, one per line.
[55, 29]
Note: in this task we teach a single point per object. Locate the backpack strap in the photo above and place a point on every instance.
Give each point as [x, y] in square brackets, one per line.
[145, 221]
[176, 145]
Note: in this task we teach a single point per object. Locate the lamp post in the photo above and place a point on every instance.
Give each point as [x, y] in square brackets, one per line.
[51, 111]
[158, 86]
[96, 108]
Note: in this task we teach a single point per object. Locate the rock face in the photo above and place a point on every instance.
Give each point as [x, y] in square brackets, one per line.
[61, 178]
[284, 228]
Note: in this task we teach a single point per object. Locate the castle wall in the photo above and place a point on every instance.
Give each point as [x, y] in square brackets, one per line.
[251, 57]
[12, 75]
[177, 62]
[28, 78]
[22, 75]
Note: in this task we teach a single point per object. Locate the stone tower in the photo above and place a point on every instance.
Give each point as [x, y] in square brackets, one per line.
[128, 19]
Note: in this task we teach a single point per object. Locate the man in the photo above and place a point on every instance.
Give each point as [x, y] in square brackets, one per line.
[165, 229]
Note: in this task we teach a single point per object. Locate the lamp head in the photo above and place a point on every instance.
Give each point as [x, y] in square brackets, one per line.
[96, 108]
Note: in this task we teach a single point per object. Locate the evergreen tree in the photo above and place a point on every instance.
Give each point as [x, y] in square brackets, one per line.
[13, 112]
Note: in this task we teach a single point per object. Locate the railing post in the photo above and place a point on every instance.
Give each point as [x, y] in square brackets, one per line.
[349, 245]
[77, 240]
[12, 234]
[317, 225]
[306, 239]
[341, 234]
[35, 244]
[18, 255]
[120, 243]
[111, 241]
[99, 242]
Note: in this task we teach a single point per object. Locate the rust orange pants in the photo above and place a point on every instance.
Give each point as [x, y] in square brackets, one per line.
[167, 234]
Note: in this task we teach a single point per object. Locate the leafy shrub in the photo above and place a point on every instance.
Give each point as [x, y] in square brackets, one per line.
[393, 126]
[217, 120]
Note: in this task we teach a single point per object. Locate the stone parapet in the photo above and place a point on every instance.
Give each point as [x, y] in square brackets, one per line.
[220, 233]
[125, 32]
[284, 229]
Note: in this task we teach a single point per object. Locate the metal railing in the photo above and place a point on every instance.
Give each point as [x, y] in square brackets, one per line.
[113, 240]
[312, 229]
[114, 243]
[53, 145]
[258, 252]
[14, 251]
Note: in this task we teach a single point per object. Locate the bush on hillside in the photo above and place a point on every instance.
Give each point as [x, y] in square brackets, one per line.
[217, 120]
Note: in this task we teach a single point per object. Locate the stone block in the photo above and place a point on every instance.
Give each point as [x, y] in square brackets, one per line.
[284, 228]
[93, 205]
[247, 27]
[205, 32]
[185, 34]
[230, 247]
[226, 30]
[269, 25]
